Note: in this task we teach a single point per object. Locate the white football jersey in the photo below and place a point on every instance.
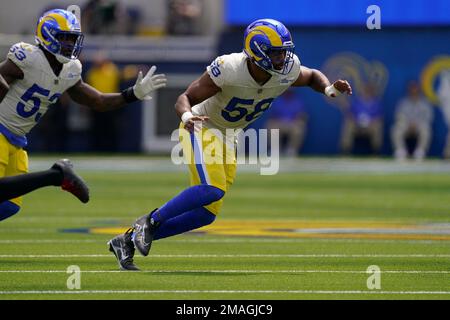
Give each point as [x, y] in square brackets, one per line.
[242, 100]
[28, 99]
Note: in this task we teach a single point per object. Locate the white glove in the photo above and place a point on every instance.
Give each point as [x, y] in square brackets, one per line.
[144, 87]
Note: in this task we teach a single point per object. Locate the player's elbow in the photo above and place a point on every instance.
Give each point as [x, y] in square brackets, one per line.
[178, 103]
[182, 104]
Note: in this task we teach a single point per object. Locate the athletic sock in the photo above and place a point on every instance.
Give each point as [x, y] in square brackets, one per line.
[187, 221]
[189, 199]
[8, 209]
[15, 186]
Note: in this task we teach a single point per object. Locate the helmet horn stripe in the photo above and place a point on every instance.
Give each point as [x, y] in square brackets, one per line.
[248, 40]
[62, 21]
[273, 36]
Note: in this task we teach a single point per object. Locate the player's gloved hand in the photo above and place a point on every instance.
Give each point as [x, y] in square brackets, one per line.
[193, 123]
[145, 86]
[338, 87]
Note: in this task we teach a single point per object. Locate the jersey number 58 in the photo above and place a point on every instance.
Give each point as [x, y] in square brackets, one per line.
[234, 113]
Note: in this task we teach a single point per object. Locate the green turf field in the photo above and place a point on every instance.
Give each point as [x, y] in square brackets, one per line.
[296, 235]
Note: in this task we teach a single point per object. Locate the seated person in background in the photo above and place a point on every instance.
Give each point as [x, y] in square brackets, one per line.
[413, 116]
[289, 116]
[443, 94]
[365, 117]
[184, 17]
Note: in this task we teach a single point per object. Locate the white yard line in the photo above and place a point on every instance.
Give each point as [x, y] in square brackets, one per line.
[50, 241]
[237, 271]
[309, 165]
[2, 256]
[226, 240]
[375, 292]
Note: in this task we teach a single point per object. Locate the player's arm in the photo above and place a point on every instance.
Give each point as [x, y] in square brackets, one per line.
[319, 82]
[198, 91]
[9, 72]
[87, 95]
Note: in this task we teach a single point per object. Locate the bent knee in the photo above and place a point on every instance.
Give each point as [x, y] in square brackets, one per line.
[207, 217]
[8, 209]
[211, 192]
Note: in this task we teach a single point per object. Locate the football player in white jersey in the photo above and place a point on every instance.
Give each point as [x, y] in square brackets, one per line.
[233, 92]
[35, 77]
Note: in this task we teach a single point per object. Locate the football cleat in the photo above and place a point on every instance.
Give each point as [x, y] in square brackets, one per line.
[123, 249]
[71, 181]
[144, 230]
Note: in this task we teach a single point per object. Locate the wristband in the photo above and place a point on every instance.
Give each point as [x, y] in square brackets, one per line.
[331, 90]
[129, 96]
[186, 116]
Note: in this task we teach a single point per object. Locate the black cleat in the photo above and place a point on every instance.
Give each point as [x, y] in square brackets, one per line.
[71, 181]
[144, 231]
[123, 249]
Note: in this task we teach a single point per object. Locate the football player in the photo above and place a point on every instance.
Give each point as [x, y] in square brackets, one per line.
[233, 92]
[35, 76]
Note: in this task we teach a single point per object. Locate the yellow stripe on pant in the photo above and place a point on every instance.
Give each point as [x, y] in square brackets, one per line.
[210, 161]
[13, 161]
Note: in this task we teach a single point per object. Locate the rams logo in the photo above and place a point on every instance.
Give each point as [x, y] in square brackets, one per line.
[359, 72]
[434, 75]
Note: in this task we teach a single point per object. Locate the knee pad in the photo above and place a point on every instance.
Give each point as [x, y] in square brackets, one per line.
[8, 209]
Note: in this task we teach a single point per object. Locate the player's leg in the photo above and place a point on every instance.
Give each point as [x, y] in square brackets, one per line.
[17, 182]
[423, 141]
[203, 216]
[376, 135]
[348, 135]
[60, 174]
[296, 130]
[446, 152]
[398, 135]
[14, 161]
[185, 222]
[182, 213]
[208, 185]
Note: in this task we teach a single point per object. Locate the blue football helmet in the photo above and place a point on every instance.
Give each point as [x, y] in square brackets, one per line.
[268, 43]
[59, 32]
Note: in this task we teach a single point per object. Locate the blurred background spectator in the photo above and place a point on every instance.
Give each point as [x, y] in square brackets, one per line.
[444, 99]
[79, 126]
[288, 114]
[365, 118]
[413, 117]
[105, 17]
[184, 17]
[105, 76]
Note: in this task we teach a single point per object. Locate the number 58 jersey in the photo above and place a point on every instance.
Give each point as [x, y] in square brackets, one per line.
[28, 99]
[242, 100]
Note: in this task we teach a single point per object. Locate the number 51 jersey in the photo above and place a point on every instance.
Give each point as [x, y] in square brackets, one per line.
[28, 99]
[241, 100]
